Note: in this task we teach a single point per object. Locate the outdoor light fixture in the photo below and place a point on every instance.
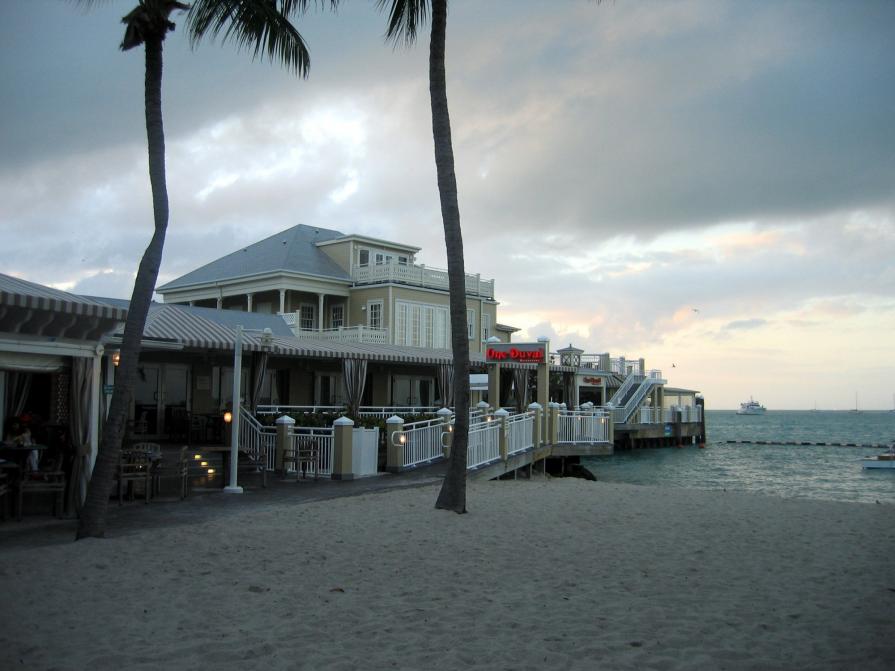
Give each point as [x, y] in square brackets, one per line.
[203, 463]
[402, 439]
[116, 358]
[211, 471]
[228, 417]
[197, 457]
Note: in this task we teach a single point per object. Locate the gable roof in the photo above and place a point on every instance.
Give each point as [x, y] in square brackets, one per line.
[293, 250]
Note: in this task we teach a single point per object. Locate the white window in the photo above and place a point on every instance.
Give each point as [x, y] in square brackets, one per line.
[486, 327]
[337, 316]
[307, 317]
[363, 257]
[411, 390]
[383, 259]
[374, 314]
[402, 260]
[401, 311]
[470, 323]
[421, 325]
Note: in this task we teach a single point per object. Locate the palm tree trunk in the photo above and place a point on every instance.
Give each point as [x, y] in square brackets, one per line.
[92, 522]
[453, 491]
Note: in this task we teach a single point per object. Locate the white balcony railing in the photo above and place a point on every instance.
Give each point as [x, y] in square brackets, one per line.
[359, 334]
[420, 276]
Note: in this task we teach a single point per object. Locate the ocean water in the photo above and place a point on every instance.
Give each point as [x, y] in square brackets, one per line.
[792, 471]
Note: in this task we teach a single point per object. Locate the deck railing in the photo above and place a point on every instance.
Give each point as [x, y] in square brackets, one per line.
[484, 444]
[422, 442]
[520, 432]
[420, 276]
[578, 426]
[305, 437]
[255, 436]
[358, 334]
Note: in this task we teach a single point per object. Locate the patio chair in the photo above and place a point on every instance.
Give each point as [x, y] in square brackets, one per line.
[48, 479]
[302, 455]
[135, 465]
[179, 469]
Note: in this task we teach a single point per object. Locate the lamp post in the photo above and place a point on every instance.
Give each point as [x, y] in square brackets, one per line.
[266, 341]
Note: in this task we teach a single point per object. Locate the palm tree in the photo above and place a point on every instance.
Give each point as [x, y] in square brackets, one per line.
[405, 17]
[259, 24]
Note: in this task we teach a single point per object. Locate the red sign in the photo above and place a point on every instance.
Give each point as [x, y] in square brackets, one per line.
[593, 380]
[528, 353]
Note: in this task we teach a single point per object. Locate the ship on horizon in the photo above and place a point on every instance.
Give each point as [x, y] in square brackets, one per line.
[751, 407]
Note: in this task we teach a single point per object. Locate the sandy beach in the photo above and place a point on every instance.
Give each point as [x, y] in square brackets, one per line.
[556, 574]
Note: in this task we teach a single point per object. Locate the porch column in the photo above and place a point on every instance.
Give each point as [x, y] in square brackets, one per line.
[544, 374]
[282, 301]
[494, 385]
[320, 313]
[249, 302]
[220, 302]
[93, 428]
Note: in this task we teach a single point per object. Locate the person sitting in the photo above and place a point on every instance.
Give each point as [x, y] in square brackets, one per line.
[20, 435]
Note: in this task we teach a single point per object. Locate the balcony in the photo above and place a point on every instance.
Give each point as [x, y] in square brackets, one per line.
[358, 334]
[418, 276]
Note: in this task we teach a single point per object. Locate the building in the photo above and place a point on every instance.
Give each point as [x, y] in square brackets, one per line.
[341, 288]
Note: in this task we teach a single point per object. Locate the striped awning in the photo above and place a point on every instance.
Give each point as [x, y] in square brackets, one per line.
[35, 309]
[202, 328]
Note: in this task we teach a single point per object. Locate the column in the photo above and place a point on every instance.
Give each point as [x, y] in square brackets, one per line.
[494, 384]
[544, 376]
[343, 449]
[284, 439]
[448, 433]
[320, 312]
[249, 302]
[282, 301]
[395, 445]
[536, 429]
[503, 440]
[220, 305]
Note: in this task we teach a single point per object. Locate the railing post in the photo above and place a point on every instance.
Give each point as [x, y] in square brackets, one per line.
[343, 457]
[284, 435]
[552, 422]
[394, 460]
[483, 406]
[536, 425]
[447, 433]
[503, 438]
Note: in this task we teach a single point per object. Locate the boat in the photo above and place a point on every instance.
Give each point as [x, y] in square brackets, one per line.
[884, 460]
[751, 407]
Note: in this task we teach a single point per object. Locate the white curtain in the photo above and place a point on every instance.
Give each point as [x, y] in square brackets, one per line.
[520, 382]
[445, 373]
[260, 372]
[354, 376]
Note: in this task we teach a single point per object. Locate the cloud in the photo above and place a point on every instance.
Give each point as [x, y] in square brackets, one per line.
[745, 324]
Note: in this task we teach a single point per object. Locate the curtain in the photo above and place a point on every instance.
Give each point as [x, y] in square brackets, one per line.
[259, 372]
[354, 376]
[18, 385]
[520, 382]
[79, 431]
[445, 374]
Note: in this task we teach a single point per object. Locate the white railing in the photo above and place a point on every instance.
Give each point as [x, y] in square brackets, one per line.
[421, 441]
[254, 437]
[689, 413]
[575, 426]
[306, 437]
[484, 444]
[421, 276]
[359, 334]
[300, 410]
[621, 394]
[386, 411]
[520, 430]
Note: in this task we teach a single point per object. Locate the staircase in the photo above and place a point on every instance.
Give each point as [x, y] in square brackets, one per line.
[630, 398]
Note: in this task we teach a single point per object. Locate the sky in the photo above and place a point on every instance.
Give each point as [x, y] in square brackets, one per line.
[708, 185]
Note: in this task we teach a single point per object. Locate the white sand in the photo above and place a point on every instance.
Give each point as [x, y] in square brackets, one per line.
[560, 574]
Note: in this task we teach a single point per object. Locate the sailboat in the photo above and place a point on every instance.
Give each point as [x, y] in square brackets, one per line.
[856, 403]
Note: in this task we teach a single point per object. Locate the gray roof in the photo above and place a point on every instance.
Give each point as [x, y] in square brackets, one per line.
[292, 250]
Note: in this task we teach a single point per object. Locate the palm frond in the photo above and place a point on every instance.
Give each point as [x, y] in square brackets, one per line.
[261, 26]
[405, 19]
